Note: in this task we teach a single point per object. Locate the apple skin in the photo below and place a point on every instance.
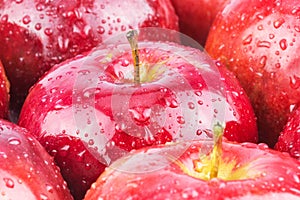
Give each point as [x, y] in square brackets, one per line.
[82, 100]
[196, 16]
[289, 138]
[35, 35]
[27, 170]
[261, 46]
[262, 173]
[4, 93]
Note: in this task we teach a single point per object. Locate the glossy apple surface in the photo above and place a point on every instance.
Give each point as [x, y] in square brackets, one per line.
[196, 16]
[289, 138]
[4, 93]
[246, 171]
[87, 111]
[261, 46]
[35, 35]
[27, 171]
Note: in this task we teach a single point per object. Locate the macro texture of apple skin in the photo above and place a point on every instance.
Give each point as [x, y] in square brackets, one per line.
[35, 35]
[4, 93]
[27, 171]
[83, 101]
[196, 16]
[261, 46]
[289, 138]
[262, 173]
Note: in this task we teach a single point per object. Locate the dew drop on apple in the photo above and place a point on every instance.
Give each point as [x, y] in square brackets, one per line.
[9, 182]
[173, 103]
[191, 105]
[199, 132]
[40, 7]
[263, 61]
[263, 43]
[44, 197]
[38, 26]
[48, 31]
[180, 120]
[18, 1]
[283, 44]
[64, 151]
[49, 188]
[14, 141]
[26, 19]
[278, 23]
[4, 18]
[63, 43]
[294, 82]
[295, 153]
[3, 155]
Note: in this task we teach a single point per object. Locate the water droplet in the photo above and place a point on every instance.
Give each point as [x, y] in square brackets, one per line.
[191, 105]
[63, 43]
[4, 18]
[91, 142]
[100, 29]
[297, 28]
[40, 7]
[263, 61]
[49, 188]
[199, 132]
[278, 22]
[124, 62]
[38, 26]
[260, 27]
[26, 19]
[9, 182]
[271, 36]
[123, 28]
[247, 40]
[200, 102]
[277, 65]
[198, 93]
[48, 31]
[180, 120]
[141, 116]
[294, 82]
[263, 43]
[263, 146]
[83, 72]
[18, 1]
[14, 141]
[249, 145]
[173, 103]
[87, 29]
[64, 151]
[53, 90]
[283, 44]
[43, 197]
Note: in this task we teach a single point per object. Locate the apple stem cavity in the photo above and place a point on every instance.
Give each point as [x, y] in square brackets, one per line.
[132, 37]
[216, 154]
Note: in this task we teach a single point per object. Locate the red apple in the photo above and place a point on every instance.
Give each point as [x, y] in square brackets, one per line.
[258, 41]
[4, 93]
[35, 34]
[289, 138]
[27, 171]
[246, 171]
[87, 112]
[196, 16]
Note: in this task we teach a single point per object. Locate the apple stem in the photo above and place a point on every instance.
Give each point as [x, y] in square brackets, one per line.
[217, 150]
[132, 37]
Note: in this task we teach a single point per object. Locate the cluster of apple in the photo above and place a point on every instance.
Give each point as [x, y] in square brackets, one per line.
[108, 100]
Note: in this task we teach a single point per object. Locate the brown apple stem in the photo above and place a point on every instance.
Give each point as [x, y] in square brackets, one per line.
[132, 37]
[217, 150]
